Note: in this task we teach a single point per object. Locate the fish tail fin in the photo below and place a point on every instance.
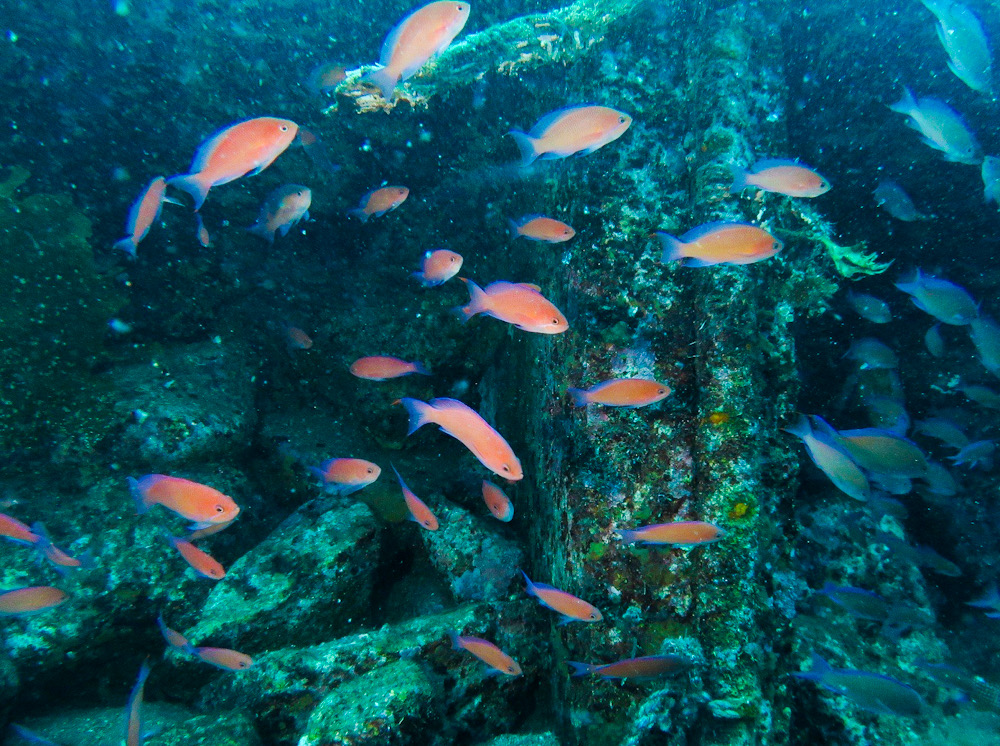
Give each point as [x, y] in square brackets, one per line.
[38, 528]
[627, 536]
[477, 301]
[260, 229]
[801, 427]
[190, 184]
[141, 506]
[526, 144]
[357, 212]
[581, 669]
[453, 636]
[581, 397]
[421, 369]
[818, 668]
[419, 412]
[739, 179]
[513, 228]
[906, 104]
[127, 245]
[383, 79]
[673, 248]
[529, 586]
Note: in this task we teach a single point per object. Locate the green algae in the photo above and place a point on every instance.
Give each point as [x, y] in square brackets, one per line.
[52, 325]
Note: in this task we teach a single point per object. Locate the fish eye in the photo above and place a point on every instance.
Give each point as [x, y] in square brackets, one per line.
[451, 259]
[284, 128]
[511, 669]
[776, 246]
[370, 470]
[219, 509]
[506, 468]
[661, 391]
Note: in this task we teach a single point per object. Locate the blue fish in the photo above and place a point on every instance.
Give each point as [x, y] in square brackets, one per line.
[874, 692]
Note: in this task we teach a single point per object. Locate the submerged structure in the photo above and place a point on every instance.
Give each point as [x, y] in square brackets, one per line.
[228, 364]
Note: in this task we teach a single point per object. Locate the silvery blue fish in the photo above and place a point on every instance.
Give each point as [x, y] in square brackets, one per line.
[962, 36]
[869, 307]
[991, 179]
[872, 354]
[830, 456]
[944, 430]
[945, 301]
[933, 341]
[882, 695]
[976, 454]
[941, 126]
[892, 198]
[985, 335]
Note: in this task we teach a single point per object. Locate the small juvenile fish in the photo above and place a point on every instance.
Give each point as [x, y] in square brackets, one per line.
[571, 608]
[859, 602]
[719, 243]
[982, 395]
[230, 660]
[487, 652]
[790, 178]
[933, 341]
[621, 392]
[976, 454]
[882, 695]
[678, 533]
[324, 78]
[869, 307]
[201, 562]
[985, 335]
[575, 129]
[541, 228]
[884, 452]
[519, 304]
[872, 354]
[380, 201]
[962, 36]
[892, 198]
[241, 149]
[422, 34]
[144, 213]
[346, 475]
[196, 502]
[133, 721]
[944, 430]
[647, 667]
[174, 638]
[14, 530]
[945, 301]
[991, 179]
[296, 339]
[32, 600]
[60, 559]
[826, 451]
[989, 600]
[383, 367]
[499, 504]
[465, 425]
[201, 232]
[941, 127]
[438, 267]
[283, 208]
[419, 512]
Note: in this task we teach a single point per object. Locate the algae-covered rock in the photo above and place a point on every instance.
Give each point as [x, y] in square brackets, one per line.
[309, 581]
[394, 704]
[524, 739]
[185, 404]
[8, 687]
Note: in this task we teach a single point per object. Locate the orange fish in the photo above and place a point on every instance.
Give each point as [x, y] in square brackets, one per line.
[241, 149]
[346, 475]
[174, 638]
[499, 504]
[466, 425]
[282, 209]
[679, 533]
[215, 528]
[324, 78]
[720, 243]
[231, 660]
[790, 178]
[196, 502]
[438, 267]
[541, 228]
[647, 667]
[622, 392]
[57, 556]
[487, 652]
[424, 33]
[143, 214]
[297, 339]
[573, 609]
[33, 600]
[382, 368]
[201, 562]
[380, 201]
[13, 529]
[133, 722]
[419, 512]
[575, 129]
[519, 304]
[201, 232]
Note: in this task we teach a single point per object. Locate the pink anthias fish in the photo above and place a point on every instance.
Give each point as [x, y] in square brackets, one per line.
[516, 303]
[61, 560]
[571, 608]
[380, 201]
[230, 660]
[678, 533]
[468, 427]
[133, 720]
[200, 561]
[419, 512]
[13, 529]
[144, 213]
[282, 209]
[201, 232]
[646, 667]
[31, 600]
[385, 367]
[422, 34]
[719, 243]
[487, 652]
[437, 267]
[346, 475]
[498, 503]
[575, 129]
[541, 228]
[242, 149]
[790, 178]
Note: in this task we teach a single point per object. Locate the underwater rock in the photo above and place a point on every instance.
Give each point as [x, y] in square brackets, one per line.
[9, 682]
[477, 560]
[186, 404]
[394, 704]
[524, 739]
[310, 581]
